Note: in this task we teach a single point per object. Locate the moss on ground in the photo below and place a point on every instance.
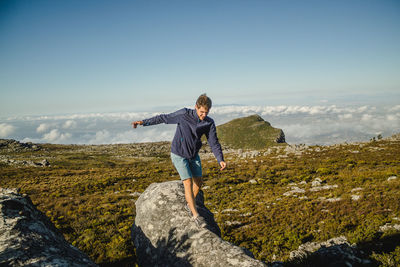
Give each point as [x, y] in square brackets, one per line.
[89, 194]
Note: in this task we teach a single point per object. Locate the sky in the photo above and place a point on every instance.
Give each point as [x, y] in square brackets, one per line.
[142, 57]
[93, 56]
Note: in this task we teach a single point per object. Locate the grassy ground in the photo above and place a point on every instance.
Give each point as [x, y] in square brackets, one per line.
[268, 204]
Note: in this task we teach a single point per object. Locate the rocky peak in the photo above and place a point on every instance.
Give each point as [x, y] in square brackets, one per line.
[251, 132]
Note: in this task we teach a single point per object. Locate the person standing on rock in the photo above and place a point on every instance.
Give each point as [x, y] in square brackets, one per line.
[191, 125]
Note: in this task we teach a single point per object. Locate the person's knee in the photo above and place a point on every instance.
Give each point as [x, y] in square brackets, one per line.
[198, 181]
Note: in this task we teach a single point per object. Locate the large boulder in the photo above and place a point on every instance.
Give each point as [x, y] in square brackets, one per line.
[28, 238]
[165, 235]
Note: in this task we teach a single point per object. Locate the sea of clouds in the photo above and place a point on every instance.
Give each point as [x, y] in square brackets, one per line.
[323, 125]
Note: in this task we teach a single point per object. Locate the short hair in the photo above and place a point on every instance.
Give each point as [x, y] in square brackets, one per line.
[204, 101]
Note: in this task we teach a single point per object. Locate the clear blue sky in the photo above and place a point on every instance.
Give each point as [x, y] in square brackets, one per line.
[83, 56]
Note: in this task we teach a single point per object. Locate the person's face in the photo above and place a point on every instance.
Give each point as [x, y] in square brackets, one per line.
[202, 112]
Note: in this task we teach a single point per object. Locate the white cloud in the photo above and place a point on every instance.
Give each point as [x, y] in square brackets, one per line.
[279, 110]
[366, 117]
[101, 137]
[362, 109]
[392, 117]
[43, 127]
[395, 108]
[6, 129]
[346, 116]
[69, 124]
[320, 124]
[55, 136]
[111, 116]
[139, 135]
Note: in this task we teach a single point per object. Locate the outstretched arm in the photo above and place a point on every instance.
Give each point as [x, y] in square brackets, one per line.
[170, 118]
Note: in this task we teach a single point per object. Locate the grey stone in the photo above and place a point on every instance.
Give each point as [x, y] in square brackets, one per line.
[164, 233]
[295, 190]
[389, 226]
[331, 253]
[28, 238]
[45, 163]
[316, 182]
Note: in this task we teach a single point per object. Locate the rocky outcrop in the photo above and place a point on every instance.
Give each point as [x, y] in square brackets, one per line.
[28, 238]
[165, 235]
[281, 137]
[11, 145]
[24, 163]
[331, 253]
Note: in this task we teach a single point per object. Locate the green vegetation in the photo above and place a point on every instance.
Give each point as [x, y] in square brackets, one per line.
[248, 133]
[89, 194]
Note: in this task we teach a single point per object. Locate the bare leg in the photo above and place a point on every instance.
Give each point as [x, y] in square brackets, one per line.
[188, 185]
[197, 182]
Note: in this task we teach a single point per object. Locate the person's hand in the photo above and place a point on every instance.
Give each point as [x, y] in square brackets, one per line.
[223, 165]
[136, 123]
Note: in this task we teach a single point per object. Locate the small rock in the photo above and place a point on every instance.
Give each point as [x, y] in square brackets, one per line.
[325, 187]
[356, 189]
[333, 199]
[389, 226]
[316, 182]
[295, 190]
[45, 163]
[391, 178]
[252, 181]
[229, 210]
[233, 223]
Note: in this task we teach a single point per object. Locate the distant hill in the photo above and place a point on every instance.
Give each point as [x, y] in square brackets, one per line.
[251, 132]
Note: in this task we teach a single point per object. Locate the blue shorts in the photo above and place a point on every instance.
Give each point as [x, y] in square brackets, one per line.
[187, 168]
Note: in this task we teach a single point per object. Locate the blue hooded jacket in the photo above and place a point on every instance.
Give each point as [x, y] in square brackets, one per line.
[187, 139]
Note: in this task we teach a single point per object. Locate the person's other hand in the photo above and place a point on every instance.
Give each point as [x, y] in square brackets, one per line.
[223, 165]
[136, 123]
